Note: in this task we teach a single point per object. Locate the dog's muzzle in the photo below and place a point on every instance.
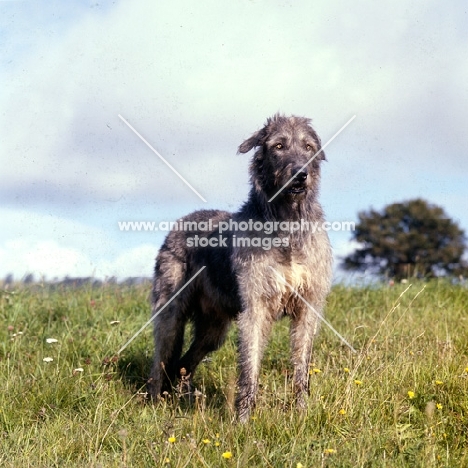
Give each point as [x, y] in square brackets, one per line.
[299, 183]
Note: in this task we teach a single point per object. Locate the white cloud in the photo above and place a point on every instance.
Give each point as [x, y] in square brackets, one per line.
[195, 80]
[52, 246]
[30, 227]
[192, 79]
[138, 261]
[43, 259]
[49, 260]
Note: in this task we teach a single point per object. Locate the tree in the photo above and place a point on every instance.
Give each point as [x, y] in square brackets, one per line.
[413, 238]
[8, 279]
[28, 279]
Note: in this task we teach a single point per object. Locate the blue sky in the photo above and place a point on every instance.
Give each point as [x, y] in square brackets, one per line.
[196, 79]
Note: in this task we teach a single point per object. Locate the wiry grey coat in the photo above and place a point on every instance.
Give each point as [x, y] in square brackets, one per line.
[250, 283]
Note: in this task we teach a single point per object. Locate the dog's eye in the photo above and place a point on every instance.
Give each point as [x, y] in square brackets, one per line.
[308, 147]
[278, 146]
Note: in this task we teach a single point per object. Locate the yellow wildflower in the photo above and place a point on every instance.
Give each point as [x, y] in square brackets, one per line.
[439, 382]
[358, 382]
[438, 406]
[346, 369]
[329, 450]
[227, 455]
[342, 411]
[410, 394]
[206, 441]
[171, 440]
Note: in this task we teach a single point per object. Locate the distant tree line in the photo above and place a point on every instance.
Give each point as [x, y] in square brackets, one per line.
[76, 281]
[410, 239]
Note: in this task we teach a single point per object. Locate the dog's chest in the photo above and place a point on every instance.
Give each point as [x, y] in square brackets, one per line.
[297, 275]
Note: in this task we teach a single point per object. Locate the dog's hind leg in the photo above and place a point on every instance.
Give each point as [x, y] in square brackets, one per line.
[210, 330]
[168, 336]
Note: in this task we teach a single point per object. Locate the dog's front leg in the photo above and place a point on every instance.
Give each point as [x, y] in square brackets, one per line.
[254, 329]
[304, 326]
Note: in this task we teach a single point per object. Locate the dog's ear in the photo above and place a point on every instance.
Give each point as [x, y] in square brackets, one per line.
[257, 139]
[321, 156]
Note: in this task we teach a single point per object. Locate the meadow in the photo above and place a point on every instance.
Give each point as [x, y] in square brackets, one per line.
[68, 399]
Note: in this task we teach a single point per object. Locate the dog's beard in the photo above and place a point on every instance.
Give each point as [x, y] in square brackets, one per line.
[297, 188]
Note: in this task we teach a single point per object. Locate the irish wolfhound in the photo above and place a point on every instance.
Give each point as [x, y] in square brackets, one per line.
[259, 267]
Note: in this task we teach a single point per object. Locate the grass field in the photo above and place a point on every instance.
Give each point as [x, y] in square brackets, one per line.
[401, 400]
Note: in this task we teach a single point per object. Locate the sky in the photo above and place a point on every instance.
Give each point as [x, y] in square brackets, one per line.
[196, 79]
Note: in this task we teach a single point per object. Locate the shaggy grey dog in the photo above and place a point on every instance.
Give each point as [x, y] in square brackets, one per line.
[254, 273]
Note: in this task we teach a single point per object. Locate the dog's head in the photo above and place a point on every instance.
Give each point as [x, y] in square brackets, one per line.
[287, 159]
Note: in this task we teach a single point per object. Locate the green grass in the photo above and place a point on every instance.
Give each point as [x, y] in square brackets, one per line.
[414, 340]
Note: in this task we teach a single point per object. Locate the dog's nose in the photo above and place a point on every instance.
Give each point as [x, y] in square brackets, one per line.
[301, 175]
